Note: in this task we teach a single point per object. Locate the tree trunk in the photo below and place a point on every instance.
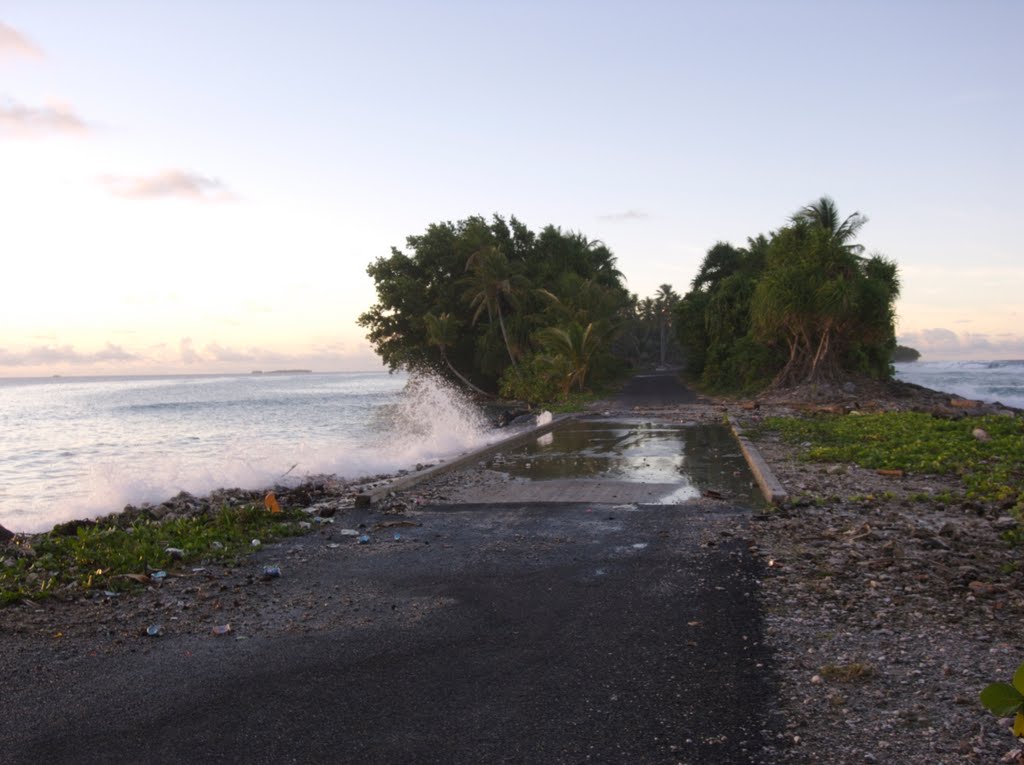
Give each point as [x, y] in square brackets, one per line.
[464, 380]
[504, 335]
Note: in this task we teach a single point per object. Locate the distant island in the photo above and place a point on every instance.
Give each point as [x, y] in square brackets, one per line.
[903, 354]
[283, 372]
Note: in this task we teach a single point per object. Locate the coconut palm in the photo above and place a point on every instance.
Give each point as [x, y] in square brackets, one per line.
[491, 283]
[824, 214]
[665, 298]
[576, 345]
[443, 333]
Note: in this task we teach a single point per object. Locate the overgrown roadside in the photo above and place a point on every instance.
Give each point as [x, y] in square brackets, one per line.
[893, 594]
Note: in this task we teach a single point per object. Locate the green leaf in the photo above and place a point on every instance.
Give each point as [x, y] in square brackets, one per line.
[1002, 699]
[1018, 679]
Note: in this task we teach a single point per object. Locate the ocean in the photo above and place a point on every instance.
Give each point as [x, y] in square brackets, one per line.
[82, 447]
[991, 381]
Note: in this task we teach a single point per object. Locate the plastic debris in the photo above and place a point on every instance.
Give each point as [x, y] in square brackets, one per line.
[158, 576]
[333, 545]
[175, 553]
[271, 572]
[221, 629]
[256, 543]
[270, 502]
[305, 525]
[217, 545]
[349, 533]
[155, 630]
[364, 539]
[398, 537]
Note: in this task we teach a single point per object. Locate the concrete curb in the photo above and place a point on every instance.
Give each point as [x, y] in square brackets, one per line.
[772, 490]
[411, 479]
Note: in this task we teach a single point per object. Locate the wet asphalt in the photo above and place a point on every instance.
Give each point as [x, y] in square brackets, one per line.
[489, 633]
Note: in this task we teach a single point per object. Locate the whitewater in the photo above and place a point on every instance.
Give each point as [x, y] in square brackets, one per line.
[992, 381]
[83, 447]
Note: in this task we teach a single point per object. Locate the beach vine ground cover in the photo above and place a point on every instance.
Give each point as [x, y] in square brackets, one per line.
[114, 556]
[991, 468]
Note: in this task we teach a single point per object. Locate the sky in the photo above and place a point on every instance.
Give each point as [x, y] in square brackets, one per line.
[198, 187]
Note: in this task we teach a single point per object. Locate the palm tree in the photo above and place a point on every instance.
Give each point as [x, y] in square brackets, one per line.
[824, 214]
[574, 344]
[442, 332]
[491, 283]
[666, 299]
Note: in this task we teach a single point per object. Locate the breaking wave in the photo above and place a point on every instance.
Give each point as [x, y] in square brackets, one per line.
[101, 447]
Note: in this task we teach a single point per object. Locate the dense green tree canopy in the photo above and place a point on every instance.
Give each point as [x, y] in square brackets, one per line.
[800, 305]
[479, 299]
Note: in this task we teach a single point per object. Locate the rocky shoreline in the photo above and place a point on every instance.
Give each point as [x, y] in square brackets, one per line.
[886, 616]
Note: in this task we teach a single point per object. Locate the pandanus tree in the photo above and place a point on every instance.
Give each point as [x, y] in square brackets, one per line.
[831, 308]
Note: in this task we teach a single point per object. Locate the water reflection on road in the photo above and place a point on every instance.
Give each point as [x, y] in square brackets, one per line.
[700, 458]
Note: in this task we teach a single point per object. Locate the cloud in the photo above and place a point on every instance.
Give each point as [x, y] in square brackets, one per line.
[27, 122]
[168, 184]
[189, 355]
[217, 352]
[627, 215]
[945, 343]
[64, 354]
[14, 44]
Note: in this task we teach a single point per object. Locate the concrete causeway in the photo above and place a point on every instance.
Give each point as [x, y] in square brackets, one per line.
[563, 620]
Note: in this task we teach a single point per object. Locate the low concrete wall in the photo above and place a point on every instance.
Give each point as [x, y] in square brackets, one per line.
[411, 479]
[772, 490]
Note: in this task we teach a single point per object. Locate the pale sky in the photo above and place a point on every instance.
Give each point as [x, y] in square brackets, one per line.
[197, 186]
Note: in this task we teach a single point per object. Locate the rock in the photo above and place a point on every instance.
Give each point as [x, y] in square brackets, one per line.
[71, 528]
[981, 435]
[6, 535]
[1004, 523]
[963, 403]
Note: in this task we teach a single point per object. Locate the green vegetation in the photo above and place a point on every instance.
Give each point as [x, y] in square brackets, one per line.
[113, 556]
[497, 307]
[1006, 700]
[902, 353]
[991, 470]
[799, 305]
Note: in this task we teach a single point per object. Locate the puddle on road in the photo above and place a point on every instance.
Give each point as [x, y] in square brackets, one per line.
[697, 457]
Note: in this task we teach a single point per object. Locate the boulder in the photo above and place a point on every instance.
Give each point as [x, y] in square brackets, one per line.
[5, 535]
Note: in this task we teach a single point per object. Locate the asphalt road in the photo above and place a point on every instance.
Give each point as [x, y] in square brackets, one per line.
[655, 389]
[489, 633]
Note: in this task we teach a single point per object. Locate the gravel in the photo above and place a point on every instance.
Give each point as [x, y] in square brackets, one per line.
[885, 615]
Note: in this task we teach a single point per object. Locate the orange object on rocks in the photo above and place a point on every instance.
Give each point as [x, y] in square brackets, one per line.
[270, 502]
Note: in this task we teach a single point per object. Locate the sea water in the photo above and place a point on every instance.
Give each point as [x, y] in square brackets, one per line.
[992, 381]
[81, 447]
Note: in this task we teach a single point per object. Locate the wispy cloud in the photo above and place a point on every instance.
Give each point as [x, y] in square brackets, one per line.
[65, 354]
[14, 44]
[626, 215]
[22, 121]
[170, 184]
